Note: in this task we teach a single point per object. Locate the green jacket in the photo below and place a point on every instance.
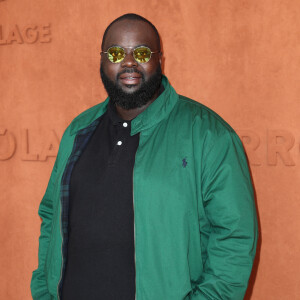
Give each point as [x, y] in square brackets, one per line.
[194, 213]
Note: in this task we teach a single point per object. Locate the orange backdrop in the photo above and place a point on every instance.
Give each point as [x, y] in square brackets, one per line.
[241, 58]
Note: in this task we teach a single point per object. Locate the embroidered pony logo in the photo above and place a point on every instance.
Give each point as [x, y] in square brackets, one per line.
[184, 162]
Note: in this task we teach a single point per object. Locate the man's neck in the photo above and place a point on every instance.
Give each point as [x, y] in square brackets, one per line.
[130, 114]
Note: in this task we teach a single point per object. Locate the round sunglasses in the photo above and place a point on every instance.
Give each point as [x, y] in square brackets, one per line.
[141, 54]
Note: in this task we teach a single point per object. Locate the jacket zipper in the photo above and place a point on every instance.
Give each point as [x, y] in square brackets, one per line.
[62, 256]
[134, 234]
[134, 217]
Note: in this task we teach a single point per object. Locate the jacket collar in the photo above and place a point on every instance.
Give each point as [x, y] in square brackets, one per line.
[155, 112]
[113, 115]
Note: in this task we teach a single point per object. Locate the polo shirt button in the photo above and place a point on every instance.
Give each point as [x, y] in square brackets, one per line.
[125, 124]
[119, 143]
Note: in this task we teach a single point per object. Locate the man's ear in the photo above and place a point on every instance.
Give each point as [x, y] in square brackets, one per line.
[101, 56]
[160, 57]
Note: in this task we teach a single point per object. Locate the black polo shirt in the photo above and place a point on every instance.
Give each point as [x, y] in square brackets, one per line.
[100, 260]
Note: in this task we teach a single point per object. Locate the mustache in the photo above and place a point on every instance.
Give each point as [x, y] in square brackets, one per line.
[130, 70]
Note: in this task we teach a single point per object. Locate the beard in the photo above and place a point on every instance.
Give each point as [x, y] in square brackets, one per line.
[137, 98]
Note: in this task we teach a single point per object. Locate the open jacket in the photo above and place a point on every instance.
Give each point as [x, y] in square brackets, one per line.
[194, 213]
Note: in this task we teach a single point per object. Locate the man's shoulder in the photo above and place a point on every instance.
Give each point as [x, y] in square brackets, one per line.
[206, 123]
[85, 118]
[202, 113]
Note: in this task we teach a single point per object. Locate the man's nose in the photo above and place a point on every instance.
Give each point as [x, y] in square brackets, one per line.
[129, 61]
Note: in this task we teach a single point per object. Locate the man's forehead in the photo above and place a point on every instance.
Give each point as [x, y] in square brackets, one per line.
[131, 33]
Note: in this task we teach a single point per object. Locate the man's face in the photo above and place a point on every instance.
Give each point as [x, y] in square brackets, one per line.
[131, 84]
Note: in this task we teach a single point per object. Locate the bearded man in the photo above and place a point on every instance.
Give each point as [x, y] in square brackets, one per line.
[150, 196]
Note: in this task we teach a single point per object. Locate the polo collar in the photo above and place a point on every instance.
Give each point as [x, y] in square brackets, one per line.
[113, 115]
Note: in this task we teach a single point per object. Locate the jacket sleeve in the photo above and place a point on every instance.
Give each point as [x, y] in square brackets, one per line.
[38, 285]
[229, 206]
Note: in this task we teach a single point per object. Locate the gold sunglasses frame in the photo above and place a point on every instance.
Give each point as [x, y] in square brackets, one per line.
[133, 48]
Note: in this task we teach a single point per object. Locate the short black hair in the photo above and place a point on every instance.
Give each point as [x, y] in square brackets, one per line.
[134, 17]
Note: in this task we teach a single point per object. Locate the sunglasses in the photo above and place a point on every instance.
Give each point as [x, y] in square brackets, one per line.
[141, 54]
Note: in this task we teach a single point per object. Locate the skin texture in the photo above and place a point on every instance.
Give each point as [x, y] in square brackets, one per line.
[130, 34]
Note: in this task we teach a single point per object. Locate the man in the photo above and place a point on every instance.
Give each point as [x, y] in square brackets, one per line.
[150, 197]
